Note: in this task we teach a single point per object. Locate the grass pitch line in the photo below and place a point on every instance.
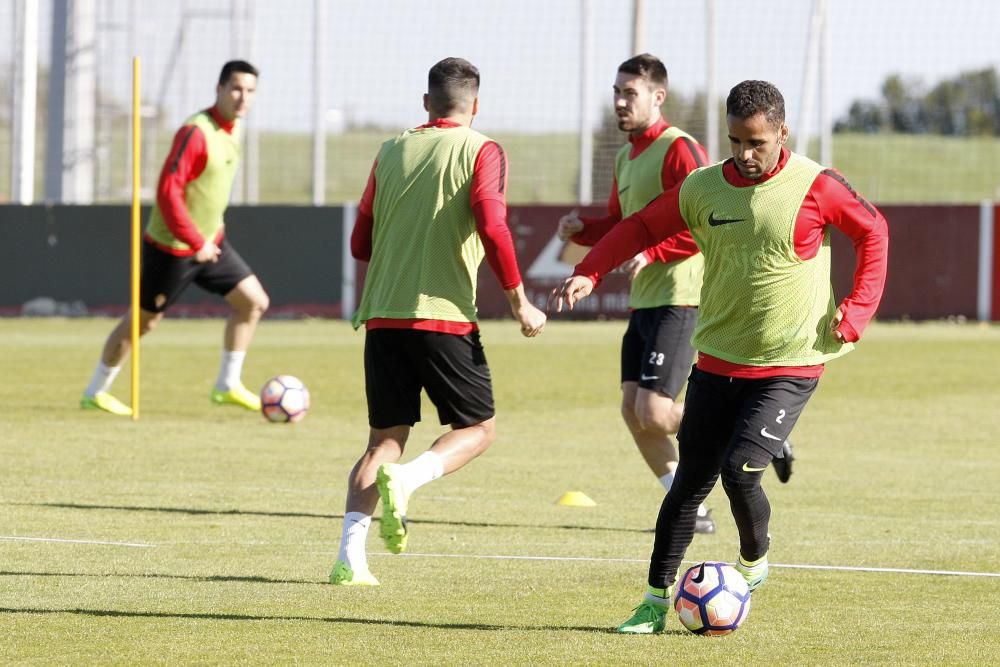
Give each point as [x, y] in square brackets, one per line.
[17, 538]
[592, 559]
[894, 570]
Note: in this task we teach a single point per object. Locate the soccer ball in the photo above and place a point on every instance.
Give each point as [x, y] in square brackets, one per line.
[712, 599]
[284, 398]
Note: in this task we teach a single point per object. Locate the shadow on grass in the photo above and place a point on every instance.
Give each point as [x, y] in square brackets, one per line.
[315, 515]
[186, 577]
[317, 619]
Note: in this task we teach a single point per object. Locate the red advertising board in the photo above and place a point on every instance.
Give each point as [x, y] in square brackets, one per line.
[933, 258]
[995, 305]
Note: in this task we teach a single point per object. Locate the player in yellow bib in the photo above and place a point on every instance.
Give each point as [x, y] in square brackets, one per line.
[434, 208]
[768, 320]
[185, 243]
[656, 352]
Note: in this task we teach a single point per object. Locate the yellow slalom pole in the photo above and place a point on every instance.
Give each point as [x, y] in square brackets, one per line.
[134, 277]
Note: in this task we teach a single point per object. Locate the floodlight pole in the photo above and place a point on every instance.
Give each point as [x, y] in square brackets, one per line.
[809, 78]
[586, 139]
[22, 173]
[638, 18]
[711, 96]
[825, 89]
[319, 105]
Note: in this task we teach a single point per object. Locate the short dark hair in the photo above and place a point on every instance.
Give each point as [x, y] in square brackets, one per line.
[649, 67]
[235, 66]
[451, 85]
[749, 98]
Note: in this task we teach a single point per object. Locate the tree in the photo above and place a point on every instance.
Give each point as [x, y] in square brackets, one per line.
[968, 104]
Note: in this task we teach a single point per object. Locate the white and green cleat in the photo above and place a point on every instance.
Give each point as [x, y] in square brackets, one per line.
[238, 395]
[394, 501]
[755, 572]
[104, 401]
[343, 575]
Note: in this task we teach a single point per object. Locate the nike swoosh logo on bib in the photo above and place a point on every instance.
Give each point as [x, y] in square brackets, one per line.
[715, 222]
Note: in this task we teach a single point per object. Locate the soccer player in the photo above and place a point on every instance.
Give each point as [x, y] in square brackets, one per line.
[665, 280]
[184, 243]
[768, 320]
[434, 206]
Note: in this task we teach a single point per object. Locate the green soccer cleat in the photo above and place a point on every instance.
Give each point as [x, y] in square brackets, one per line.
[104, 401]
[754, 572]
[238, 395]
[390, 490]
[343, 575]
[648, 618]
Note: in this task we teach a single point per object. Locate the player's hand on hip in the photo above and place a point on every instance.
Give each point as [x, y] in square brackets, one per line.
[532, 320]
[835, 321]
[570, 292]
[633, 266]
[569, 225]
[207, 253]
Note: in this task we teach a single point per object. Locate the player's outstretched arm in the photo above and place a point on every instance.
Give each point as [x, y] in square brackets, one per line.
[531, 319]
[570, 291]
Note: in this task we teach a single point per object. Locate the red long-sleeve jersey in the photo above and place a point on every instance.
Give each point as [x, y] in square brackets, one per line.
[489, 207]
[682, 158]
[185, 162]
[830, 201]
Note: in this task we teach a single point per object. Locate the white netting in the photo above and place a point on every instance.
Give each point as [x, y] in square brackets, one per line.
[530, 54]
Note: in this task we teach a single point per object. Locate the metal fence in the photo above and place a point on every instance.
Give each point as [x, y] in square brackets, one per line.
[338, 78]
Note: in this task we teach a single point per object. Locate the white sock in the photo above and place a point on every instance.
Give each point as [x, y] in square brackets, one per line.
[352, 540]
[658, 596]
[425, 468]
[230, 370]
[102, 379]
[667, 480]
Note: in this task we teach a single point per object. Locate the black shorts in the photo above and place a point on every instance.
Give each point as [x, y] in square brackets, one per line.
[656, 348]
[742, 418]
[452, 368]
[166, 276]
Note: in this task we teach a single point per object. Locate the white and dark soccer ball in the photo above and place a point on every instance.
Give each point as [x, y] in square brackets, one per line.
[284, 399]
[712, 599]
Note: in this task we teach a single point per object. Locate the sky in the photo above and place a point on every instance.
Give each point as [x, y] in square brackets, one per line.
[528, 51]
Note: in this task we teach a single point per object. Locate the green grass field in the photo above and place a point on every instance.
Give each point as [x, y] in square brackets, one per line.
[205, 535]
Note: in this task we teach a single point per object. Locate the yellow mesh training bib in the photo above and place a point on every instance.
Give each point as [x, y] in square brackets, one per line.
[640, 181]
[207, 196]
[426, 250]
[761, 305]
